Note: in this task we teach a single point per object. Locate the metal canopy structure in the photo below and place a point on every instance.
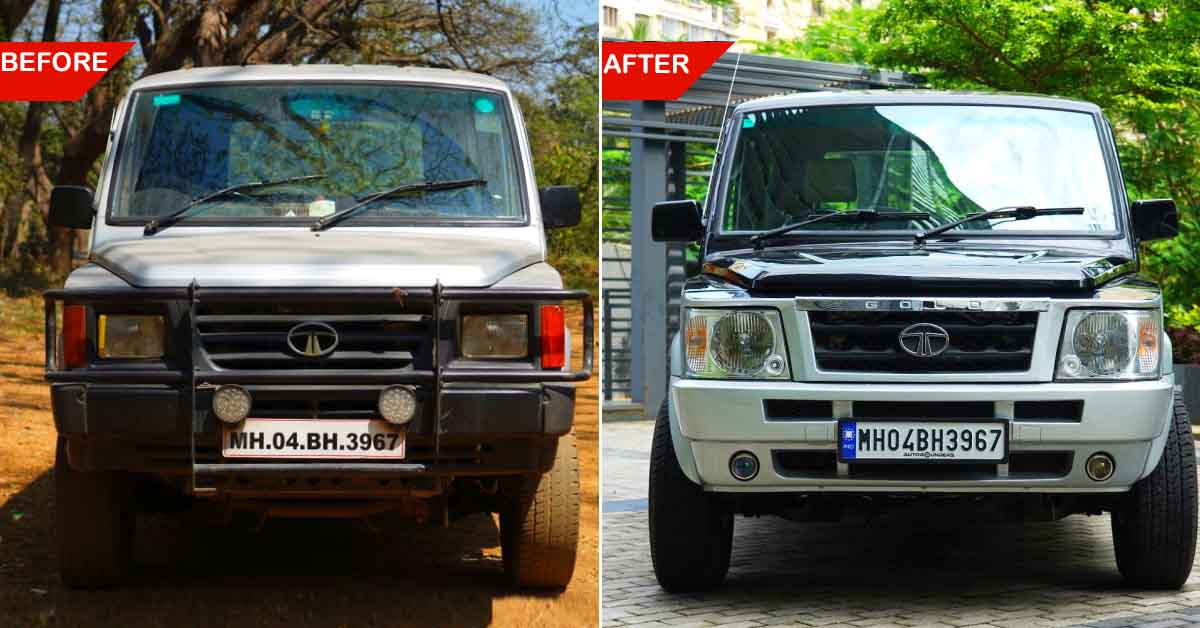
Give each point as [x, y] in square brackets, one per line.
[662, 150]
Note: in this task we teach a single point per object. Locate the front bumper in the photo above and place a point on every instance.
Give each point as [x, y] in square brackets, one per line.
[485, 430]
[713, 420]
[472, 421]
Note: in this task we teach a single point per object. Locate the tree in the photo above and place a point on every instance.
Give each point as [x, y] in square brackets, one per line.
[31, 169]
[843, 37]
[563, 121]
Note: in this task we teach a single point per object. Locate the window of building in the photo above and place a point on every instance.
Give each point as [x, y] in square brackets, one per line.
[818, 8]
[670, 28]
[771, 34]
[641, 26]
[610, 17]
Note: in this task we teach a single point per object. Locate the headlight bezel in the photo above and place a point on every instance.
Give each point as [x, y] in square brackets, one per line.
[709, 317]
[465, 350]
[152, 327]
[1141, 324]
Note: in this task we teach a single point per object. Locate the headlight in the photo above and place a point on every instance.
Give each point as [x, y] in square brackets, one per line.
[127, 336]
[740, 344]
[1110, 344]
[495, 335]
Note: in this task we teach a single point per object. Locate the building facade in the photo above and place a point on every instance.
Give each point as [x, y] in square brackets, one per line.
[743, 21]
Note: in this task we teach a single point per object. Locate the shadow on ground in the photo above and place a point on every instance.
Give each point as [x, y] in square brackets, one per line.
[911, 554]
[191, 571]
[905, 568]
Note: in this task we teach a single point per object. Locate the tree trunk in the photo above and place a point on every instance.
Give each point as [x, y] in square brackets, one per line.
[87, 145]
[28, 147]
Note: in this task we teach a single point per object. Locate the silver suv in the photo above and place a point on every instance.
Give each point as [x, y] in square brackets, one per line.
[921, 296]
[316, 291]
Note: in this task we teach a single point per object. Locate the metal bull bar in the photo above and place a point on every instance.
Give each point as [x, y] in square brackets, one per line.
[200, 375]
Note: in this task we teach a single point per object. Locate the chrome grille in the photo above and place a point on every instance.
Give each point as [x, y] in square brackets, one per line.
[869, 342]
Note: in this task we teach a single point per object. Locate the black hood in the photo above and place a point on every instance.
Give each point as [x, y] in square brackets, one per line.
[887, 269]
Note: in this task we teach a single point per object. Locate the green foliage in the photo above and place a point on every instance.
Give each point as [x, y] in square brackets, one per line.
[616, 191]
[26, 273]
[843, 37]
[1140, 63]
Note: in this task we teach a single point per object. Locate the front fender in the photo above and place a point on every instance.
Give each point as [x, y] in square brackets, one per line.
[683, 447]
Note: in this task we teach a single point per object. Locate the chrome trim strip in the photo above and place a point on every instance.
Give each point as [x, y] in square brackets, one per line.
[914, 304]
[1101, 277]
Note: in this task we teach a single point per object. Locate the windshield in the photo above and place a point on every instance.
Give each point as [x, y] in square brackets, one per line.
[344, 142]
[948, 161]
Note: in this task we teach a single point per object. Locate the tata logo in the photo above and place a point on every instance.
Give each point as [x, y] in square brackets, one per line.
[924, 340]
[312, 340]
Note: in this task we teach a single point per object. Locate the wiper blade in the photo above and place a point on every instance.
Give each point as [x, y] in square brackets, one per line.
[162, 222]
[428, 186]
[858, 214]
[1016, 212]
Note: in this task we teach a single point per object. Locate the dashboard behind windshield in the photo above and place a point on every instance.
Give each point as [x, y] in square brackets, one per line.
[183, 144]
[949, 161]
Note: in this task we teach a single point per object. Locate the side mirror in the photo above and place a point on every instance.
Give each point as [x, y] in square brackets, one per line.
[676, 221]
[1155, 219]
[560, 206]
[71, 207]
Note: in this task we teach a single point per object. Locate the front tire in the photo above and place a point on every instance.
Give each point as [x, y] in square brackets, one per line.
[539, 523]
[94, 524]
[1154, 527]
[691, 533]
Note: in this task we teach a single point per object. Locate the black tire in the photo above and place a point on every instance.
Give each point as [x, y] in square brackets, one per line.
[94, 524]
[1154, 527]
[691, 532]
[539, 523]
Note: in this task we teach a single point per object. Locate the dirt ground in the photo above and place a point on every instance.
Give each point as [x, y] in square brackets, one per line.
[291, 572]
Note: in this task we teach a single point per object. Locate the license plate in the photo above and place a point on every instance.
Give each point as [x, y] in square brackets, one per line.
[312, 438]
[923, 441]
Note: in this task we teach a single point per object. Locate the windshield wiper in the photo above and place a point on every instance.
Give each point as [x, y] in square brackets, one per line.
[863, 215]
[1016, 212]
[162, 222]
[429, 186]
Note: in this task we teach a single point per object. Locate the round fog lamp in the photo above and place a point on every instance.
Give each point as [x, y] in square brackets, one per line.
[743, 466]
[231, 404]
[397, 404]
[1100, 467]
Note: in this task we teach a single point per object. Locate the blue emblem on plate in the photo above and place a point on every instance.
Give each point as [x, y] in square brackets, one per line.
[849, 439]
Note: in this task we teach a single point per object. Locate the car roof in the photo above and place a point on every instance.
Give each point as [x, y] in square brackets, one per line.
[915, 97]
[319, 72]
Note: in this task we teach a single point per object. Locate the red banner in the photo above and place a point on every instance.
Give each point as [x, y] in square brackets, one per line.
[655, 70]
[55, 70]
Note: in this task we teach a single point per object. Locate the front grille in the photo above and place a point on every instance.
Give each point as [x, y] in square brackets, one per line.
[922, 410]
[805, 463]
[869, 342]
[254, 336]
[1048, 411]
[797, 410]
[813, 464]
[1039, 464]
